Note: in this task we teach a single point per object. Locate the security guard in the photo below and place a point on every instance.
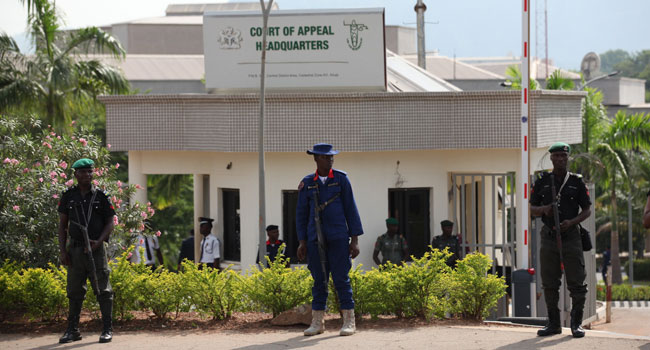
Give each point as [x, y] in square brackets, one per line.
[447, 240]
[341, 226]
[392, 246]
[210, 247]
[272, 244]
[572, 196]
[87, 206]
[187, 249]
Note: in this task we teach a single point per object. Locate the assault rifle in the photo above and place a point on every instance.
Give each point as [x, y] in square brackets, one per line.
[556, 218]
[89, 251]
[322, 243]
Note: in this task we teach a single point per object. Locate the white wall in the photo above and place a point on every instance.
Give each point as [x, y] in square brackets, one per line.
[371, 175]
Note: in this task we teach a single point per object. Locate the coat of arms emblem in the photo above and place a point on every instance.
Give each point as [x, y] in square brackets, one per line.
[230, 38]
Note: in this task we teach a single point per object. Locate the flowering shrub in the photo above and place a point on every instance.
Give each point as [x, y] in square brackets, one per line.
[34, 172]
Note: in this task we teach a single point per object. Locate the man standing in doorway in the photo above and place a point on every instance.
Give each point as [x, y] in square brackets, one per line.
[391, 245]
[574, 206]
[85, 207]
[326, 208]
[210, 248]
[447, 240]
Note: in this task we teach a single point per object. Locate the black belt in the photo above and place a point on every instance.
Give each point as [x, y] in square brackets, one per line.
[565, 234]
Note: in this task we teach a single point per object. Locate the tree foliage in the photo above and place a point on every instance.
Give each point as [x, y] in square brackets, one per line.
[56, 79]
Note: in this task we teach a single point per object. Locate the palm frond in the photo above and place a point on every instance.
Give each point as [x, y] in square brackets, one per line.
[95, 40]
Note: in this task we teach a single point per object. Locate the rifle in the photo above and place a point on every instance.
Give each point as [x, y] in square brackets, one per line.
[322, 243]
[89, 252]
[556, 218]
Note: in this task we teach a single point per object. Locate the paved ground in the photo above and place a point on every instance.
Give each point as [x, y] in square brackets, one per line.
[627, 320]
[438, 337]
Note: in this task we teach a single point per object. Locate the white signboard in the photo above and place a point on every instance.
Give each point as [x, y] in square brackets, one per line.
[306, 49]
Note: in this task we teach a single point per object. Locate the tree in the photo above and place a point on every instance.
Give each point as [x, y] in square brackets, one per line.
[56, 77]
[623, 134]
[514, 77]
[557, 82]
[35, 171]
[610, 58]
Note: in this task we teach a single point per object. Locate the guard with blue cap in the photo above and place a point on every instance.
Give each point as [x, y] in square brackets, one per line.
[572, 206]
[328, 225]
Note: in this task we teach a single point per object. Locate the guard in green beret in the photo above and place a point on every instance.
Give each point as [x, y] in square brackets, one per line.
[447, 240]
[391, 245]
[84, 205]
[574, 206]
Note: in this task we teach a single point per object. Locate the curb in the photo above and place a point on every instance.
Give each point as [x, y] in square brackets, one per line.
[631, 304]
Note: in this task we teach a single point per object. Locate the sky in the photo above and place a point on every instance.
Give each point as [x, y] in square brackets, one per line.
[469, 28]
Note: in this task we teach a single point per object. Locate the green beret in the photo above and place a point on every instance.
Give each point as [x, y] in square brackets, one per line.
[560, 147]
[446, 223]
[392, 221]
[83, 163]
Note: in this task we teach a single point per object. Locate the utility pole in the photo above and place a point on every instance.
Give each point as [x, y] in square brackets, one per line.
[260, 135]
[420, 7]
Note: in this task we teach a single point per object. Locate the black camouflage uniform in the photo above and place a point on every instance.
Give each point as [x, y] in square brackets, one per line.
[573, 197]
[70, 206]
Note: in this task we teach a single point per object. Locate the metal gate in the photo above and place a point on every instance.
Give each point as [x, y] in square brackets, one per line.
[484, 219]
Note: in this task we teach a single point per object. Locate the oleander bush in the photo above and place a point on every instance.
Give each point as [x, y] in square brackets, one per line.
[427, 287]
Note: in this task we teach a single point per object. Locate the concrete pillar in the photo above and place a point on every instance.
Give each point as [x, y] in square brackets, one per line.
[137, 177]
[199, 211]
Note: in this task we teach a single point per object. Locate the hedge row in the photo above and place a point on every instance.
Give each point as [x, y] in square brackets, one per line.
[426, 287]
[641, 269]
[623, 292]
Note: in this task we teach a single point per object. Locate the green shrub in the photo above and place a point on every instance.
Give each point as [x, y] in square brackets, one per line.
[126, 280]
[278, 288]
[473, 292]
[213, 292]
[370, 294]
[10, 298]
[162, 292]
[418, 288]
[623, 292]
[43, 292]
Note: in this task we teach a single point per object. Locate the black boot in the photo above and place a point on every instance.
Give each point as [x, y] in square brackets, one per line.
[72, 332]
[553, 326]
[576, 323]
[106, 307]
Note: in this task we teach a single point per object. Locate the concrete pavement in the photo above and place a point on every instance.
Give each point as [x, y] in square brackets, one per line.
[425, 337]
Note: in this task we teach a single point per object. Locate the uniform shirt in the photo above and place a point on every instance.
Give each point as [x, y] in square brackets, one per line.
[102, 211]
[187, 250]
[573, 197]
[339, 220]
[441, 242]
[271, 250]
[149, 257]
[391, 248]
[209, 249]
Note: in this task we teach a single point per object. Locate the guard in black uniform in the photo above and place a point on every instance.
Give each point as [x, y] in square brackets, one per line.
[272, 244]
[447, 240]
[187, 249]
[85, 204]
[574, 207]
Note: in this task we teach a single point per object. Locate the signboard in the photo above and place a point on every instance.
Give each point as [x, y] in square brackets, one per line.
[306, 49]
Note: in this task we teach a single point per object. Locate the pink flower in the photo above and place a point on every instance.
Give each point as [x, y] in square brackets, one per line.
[55, 196]
[16, 208]
[83, 141]
[47, 144]
[63, 164]
[6, 161]
[73, 137]
[63, 175]
[46, 159]
[37, 164]
[73, 122]
[117, 165]
[69, 183]
[158, 233]
[108, 146]
[40, 179]
[119, 183]
[148, 204]
[53, 182]
[141, 241]
[53, 174]
[131, 230]
[25, 171]
[137, 186]
[95, 182]
[129, 255]
[115, 220]
[52, 133]
[58, 137]
[19, 188]
[142, 226]
[144, 215]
